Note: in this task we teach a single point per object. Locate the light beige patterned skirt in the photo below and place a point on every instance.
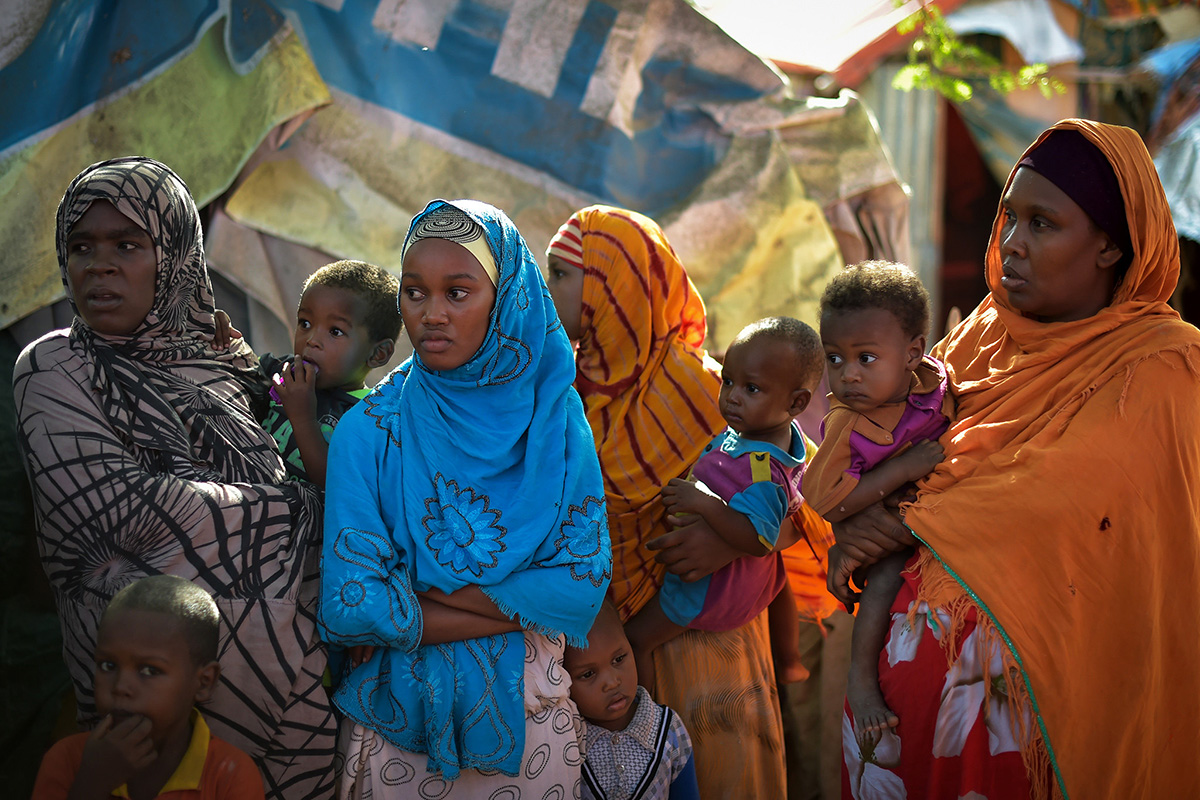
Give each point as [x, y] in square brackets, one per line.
[371, 768]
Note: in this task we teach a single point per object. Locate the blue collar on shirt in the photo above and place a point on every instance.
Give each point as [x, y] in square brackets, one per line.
[732, 443]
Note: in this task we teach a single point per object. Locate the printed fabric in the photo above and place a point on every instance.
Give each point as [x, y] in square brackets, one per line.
[1063, 514]
[641, 761]
[762, 482]
[372, 768]
[483, 475]
[722, 685]
[144, 458]
[649, 388]
[331, 405]
[950, 713]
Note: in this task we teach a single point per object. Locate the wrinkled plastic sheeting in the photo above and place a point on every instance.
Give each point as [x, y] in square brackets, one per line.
[654, 119]
[1178, 163]
[100, 80]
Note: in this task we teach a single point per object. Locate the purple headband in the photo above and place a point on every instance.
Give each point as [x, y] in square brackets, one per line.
[1071, 162]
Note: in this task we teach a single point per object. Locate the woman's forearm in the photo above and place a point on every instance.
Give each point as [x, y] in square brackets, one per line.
[447, 624]
[468, 598]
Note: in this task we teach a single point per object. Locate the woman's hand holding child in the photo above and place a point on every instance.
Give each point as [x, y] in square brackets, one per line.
[840, 570]
[692, 550]
[873, 533]
[225, 334]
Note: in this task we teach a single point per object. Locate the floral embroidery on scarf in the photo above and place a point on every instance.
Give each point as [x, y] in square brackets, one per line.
[461, 535]
[581, 545]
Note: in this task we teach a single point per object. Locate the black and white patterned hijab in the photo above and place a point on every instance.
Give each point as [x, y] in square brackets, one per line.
[141, 377]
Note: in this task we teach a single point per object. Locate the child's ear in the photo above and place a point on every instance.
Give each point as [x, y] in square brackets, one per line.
[207, 676]
[916, 351]
[800, 400]
[381, 353]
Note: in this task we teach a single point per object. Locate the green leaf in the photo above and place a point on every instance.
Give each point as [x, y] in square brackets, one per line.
[961, 91]
[939, 61]
[907, 78]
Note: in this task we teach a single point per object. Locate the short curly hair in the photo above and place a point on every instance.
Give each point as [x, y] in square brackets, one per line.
[378, 287]
[880, 284]
[181, 599]
[809, 365]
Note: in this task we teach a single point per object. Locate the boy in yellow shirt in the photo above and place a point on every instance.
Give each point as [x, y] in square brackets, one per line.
[156, 658]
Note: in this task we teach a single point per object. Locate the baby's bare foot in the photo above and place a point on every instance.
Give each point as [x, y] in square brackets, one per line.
[871, 714]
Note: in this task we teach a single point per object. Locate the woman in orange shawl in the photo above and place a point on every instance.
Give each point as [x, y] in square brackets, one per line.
[1046, 639]
[650, 392]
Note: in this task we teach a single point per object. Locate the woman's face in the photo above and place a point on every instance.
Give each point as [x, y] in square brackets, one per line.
[565, 282]
[1058, 266]
[446, 302]
[111, 268]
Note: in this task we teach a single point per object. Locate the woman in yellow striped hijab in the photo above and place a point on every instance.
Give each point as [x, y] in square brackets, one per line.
[650, 392]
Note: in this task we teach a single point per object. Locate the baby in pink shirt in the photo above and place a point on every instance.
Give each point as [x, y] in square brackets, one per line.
[889, 405]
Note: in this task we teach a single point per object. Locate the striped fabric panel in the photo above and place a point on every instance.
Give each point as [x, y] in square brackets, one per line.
[649, 389]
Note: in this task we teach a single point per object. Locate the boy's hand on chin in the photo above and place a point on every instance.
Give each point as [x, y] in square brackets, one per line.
[296, 386]
[116, 751]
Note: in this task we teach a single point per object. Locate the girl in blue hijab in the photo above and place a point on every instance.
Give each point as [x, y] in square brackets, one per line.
[466, 535]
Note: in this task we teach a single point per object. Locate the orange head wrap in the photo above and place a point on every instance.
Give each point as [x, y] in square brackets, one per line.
[649, 389]
[1068, 505]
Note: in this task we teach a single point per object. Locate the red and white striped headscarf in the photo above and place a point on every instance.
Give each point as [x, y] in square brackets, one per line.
[567, 244]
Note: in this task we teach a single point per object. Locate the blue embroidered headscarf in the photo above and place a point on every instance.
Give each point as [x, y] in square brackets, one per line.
[487, 475]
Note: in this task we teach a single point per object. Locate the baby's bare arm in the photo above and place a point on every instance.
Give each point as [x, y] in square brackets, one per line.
[735, 528]
[298, 395]
[876, 484]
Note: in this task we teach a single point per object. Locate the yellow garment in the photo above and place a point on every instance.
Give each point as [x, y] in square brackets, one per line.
[191, 767]
[649, 389]
[1068, 505]
[807, 565]
[722, 685]
[807, 561]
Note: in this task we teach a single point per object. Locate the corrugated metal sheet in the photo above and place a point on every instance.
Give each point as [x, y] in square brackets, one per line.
[911, 125]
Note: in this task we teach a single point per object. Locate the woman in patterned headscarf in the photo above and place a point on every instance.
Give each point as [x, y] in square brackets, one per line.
[144, 458]
[467, 538]
[650, 391]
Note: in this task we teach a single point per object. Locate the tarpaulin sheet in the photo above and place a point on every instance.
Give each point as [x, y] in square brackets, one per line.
[175, 81]
[538, 106]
